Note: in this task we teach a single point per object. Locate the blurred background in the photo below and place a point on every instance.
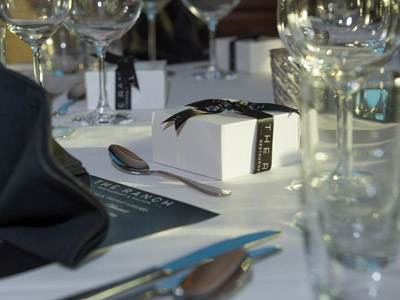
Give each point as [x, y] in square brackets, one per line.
[181, 37]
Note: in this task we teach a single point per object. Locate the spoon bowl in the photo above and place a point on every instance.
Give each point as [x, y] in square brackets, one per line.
[125, 160]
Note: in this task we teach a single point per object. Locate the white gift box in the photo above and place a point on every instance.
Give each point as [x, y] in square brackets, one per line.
[152, 86]
[251, 56]
[223, 145]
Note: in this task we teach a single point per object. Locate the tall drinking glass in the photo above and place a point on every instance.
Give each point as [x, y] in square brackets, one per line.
[100, 23]
[151, 8]
[211, 12]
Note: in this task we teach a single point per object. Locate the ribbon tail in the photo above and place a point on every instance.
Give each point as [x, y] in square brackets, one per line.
[181, 117]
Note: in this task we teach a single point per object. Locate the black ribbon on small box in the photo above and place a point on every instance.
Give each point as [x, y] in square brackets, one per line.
[265, 122]
[232, 46]
[125, 78]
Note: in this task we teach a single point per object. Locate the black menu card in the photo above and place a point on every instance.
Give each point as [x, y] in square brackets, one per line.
[135, 213]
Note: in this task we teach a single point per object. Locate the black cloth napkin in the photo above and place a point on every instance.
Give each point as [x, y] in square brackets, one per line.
[47, 212]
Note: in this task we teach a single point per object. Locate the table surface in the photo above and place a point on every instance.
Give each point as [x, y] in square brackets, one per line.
[258, 202]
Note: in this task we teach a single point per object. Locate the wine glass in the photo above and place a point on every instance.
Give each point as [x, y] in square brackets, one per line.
[211, 11]
[333, 40]
[100, 23]
[337, 38]
[34, 21]
[151, 8]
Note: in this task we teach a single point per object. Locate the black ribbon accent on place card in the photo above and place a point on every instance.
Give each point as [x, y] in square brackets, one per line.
[265, 122]
[125, 78]
[232, 47]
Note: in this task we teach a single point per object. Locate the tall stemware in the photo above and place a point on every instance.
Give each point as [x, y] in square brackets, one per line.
[34, 21]
[151, 8]
[336, 38]
[100, 23]
[211, 12]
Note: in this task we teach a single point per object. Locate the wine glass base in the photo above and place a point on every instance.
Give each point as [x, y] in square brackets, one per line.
[215, 75]
[97, 118]
[62, 131]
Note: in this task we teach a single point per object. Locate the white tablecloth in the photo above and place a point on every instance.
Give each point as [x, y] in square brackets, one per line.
[258, 202]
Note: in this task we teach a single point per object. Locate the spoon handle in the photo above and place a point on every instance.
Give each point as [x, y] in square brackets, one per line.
[63, 109]
[210, 190]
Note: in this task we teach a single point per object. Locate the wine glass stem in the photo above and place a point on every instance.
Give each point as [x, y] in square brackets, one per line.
[37, 65]
[151, 21]
[344, 133]
[103, 102]
[212, 29]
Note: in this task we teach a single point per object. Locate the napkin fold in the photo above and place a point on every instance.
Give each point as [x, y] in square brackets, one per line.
[47, 212]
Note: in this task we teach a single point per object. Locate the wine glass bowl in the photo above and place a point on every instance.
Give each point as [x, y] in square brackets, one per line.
[211, 12]
[353, 34]
[100, 23]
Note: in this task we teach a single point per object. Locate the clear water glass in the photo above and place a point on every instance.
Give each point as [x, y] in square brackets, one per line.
[211, 12]
[99, 24]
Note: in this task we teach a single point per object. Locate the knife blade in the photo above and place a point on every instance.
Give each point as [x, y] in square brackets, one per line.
[191, 260]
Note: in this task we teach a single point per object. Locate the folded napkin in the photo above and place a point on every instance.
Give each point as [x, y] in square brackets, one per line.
[47, 212]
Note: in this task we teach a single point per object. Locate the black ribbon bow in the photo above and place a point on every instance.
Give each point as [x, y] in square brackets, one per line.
[265, 122]
[232, 46]
[125, 78]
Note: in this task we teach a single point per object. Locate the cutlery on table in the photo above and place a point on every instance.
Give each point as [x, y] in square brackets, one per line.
[223, 275]
[191, 260]
[128, 161]
[77, 92]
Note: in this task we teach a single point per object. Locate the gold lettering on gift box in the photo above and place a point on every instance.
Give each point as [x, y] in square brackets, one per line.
[265, 128]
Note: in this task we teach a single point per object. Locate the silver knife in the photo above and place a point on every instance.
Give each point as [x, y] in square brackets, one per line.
[188, 261]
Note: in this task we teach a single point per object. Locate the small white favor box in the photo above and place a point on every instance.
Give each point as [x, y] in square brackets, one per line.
[251, 56]
[152, 86]
[221, 146]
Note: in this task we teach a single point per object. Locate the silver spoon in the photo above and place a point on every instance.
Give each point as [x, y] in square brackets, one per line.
[129, 162]
[77, 92]
[213, 280]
